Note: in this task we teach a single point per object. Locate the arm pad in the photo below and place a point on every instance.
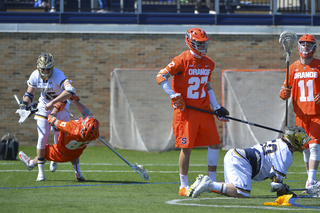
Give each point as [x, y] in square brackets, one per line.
[162, 76]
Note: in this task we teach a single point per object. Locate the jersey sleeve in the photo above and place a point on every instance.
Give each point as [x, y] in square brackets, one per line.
[173, 67]
[32, 81]
[67, 127]
[59, 78]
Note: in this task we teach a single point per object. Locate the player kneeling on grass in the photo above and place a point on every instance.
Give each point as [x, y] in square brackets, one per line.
[268, 160]
[73, 139]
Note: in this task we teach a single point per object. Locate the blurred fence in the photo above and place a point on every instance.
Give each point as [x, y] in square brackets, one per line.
[167, 6]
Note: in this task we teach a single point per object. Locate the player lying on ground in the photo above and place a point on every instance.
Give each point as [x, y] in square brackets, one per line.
[73, 139]
[269, 160]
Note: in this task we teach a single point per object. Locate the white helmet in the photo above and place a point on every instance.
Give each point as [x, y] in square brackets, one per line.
[45, 64]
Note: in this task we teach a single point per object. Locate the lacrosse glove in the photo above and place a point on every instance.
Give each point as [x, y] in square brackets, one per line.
[221, 113]
[178, 101]
[317, 98]
[285, 93]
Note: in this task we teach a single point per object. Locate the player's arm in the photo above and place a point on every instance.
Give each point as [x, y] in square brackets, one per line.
[285, 92]
[221, 111]
[68, 91]
[162, 79]
[27, 98]
[52, 118]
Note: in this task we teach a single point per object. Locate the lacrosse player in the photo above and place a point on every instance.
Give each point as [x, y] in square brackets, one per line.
[54, 87]
[268, 160]
[73, 139]
[191, 76]
[304, 83]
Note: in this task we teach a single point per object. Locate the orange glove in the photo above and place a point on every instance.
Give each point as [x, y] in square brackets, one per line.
[317, 98]
[178, 101]
[52, 118]
[74, 97]
[60, 106]
[285, 93]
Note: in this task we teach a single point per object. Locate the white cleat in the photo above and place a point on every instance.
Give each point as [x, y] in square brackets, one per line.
[53, 166]
[202, 187]
[195, 185]
[79, 177]
[25, 160]
[40, 176]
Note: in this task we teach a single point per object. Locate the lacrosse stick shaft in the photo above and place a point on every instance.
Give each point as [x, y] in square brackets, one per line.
[236, 119]
[286, 121]
[17, 99]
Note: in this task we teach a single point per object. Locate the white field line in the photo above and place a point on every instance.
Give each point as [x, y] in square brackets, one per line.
[186, 202]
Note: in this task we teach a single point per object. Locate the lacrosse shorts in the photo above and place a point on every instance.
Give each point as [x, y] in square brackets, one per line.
[54, 154]
[238, 171]
[311, 124]
[193, 128]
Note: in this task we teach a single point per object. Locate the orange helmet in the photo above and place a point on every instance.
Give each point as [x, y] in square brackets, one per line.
[307, 38]
[89, 128]
[197, 40]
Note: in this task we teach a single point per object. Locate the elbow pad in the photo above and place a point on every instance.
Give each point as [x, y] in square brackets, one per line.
[70, 88]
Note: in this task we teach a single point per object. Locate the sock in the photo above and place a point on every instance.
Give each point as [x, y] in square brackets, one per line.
[212, 175]
[218, 187]
[31, 163]
[312, 175]
[184, 181]
[76, 168]
[41, 162]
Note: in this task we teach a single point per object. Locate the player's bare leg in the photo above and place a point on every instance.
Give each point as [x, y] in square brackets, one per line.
[212, 160]
[184, 159]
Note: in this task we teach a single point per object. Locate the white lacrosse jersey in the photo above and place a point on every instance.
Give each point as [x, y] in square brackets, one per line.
[53, 86]
[259, 162]
[276, 158]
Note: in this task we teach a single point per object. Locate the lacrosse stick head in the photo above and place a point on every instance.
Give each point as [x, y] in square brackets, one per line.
[287, 39]
[314, 189]
[141, 171]
[304, 51]
[296, 137]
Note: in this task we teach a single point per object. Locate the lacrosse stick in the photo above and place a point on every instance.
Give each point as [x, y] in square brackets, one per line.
[312, 190]
[287, 39]
[24, 114]
[235, 119]
[135, 167]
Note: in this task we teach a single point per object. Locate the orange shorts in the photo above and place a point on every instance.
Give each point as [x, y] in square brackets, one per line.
[311, 124]
[54, 154]
[192, 128]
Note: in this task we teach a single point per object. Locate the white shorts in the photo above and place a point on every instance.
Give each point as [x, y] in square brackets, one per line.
[238, 171]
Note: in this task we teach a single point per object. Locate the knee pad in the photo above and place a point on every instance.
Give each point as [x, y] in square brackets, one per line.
[314, 151]
[212, 157]
[43, 128]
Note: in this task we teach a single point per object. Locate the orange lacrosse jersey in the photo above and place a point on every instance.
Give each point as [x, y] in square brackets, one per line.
[305, 83]
[70, 143]
[190, 76]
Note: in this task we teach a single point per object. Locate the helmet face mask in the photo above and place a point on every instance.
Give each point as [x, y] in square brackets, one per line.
[197, 41]
[296, 137]
[89, 128]
[45, 65]
[307, 45]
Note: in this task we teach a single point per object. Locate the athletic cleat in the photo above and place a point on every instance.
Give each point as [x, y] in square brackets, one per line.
[194, 185]
[79, 177]
[40, 176]
[25, 160]
[53, 166]
[202, 187]
[309, 184]
[183, 191]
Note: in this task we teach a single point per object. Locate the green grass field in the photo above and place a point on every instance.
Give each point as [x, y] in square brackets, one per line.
[112, 186]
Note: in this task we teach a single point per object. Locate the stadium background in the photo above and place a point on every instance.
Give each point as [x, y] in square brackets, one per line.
[88, 59]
